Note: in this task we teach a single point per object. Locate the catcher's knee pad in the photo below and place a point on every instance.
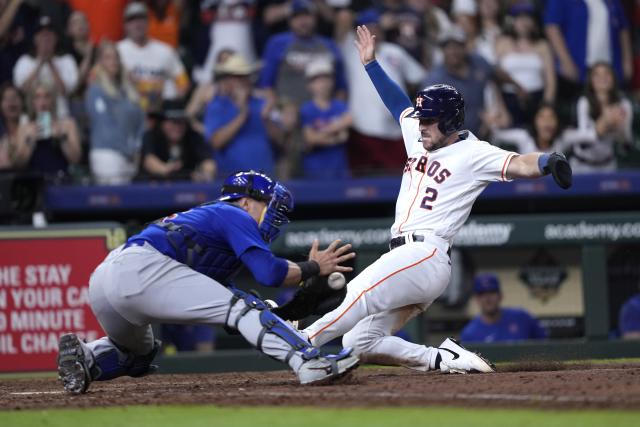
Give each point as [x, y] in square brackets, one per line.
[118, 362]
[271, 324]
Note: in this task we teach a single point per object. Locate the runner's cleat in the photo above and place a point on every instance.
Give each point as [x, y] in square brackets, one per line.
[457, 359]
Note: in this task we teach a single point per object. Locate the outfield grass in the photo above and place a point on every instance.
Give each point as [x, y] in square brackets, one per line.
[192, 416]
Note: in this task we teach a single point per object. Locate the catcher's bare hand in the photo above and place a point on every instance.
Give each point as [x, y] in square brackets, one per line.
[366, 44]
[330, 259]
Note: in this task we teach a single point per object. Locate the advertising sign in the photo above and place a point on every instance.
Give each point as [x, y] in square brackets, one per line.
[44, 277]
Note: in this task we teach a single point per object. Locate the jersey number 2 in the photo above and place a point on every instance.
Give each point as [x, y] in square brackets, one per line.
[431, 196]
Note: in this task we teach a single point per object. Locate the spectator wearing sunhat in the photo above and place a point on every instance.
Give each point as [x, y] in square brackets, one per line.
[237, 123]
[46, 66]
[376, 142]
[173, 150]
[326, 121]
[204, 93]
[155, 67]
[496, 323]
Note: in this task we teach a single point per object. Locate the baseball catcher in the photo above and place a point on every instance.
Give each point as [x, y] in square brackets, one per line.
[180, 269]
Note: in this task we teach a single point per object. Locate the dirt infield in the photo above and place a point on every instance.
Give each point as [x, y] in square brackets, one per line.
[524, 385]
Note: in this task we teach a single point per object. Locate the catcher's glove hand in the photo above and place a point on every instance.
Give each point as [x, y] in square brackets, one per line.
[558, 166]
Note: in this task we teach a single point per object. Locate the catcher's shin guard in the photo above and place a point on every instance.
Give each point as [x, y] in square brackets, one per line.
[270, 323]
[117, 362]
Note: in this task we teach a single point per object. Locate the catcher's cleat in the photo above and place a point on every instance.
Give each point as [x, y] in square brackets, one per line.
[73, 371]
[456, 359]
[325, 369]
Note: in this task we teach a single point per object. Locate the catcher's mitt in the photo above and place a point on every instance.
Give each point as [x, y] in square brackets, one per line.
[314, 297]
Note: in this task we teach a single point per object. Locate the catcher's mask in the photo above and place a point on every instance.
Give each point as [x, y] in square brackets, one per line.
[275, 216]
[261, 187]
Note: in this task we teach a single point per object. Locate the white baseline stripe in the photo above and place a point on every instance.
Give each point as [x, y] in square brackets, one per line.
[31, 393]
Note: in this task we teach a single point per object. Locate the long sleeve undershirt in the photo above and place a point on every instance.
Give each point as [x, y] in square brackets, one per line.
[391, 94]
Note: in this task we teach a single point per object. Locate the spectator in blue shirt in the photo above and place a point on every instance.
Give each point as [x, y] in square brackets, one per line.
[237, 123]
[495, 323]
[326, 123]
[583, 32]
[629, 323]
[287, 54]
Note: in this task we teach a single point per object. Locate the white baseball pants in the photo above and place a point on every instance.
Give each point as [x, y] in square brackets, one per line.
[380, 300]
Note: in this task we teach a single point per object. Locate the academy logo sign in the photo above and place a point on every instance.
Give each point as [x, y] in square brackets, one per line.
[592, 231]
[478, 234]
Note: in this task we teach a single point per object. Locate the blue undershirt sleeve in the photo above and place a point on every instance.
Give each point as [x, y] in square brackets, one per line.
[391, 94]
[266, 268]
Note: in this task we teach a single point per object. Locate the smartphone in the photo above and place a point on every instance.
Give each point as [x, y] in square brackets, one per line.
[44, 125]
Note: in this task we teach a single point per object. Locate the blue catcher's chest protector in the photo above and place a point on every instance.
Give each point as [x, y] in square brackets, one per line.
[209, 238]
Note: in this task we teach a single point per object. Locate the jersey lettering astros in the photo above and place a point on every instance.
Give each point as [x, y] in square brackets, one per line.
[439, 187]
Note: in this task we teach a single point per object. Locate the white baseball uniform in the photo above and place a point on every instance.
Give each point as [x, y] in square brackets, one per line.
[437, 192]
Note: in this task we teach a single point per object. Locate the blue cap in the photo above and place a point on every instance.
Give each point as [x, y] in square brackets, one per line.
[368, 16]
[486, 283]
[522, 8]
[302, 6]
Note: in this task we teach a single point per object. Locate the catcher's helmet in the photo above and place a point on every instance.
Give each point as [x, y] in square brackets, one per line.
[252, 184]
[443, 103]
[260, 187]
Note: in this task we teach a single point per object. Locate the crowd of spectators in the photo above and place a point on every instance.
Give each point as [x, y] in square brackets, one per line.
[123, 90]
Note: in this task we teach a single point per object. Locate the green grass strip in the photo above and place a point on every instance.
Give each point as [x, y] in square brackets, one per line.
[195, 416]
[23, 375]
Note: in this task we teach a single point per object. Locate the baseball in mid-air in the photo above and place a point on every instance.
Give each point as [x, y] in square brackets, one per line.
[336, 280]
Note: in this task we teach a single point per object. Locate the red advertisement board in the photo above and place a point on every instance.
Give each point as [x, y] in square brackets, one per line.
[44, 284]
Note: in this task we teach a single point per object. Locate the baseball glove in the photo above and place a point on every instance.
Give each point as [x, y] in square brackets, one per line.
[558, 166]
